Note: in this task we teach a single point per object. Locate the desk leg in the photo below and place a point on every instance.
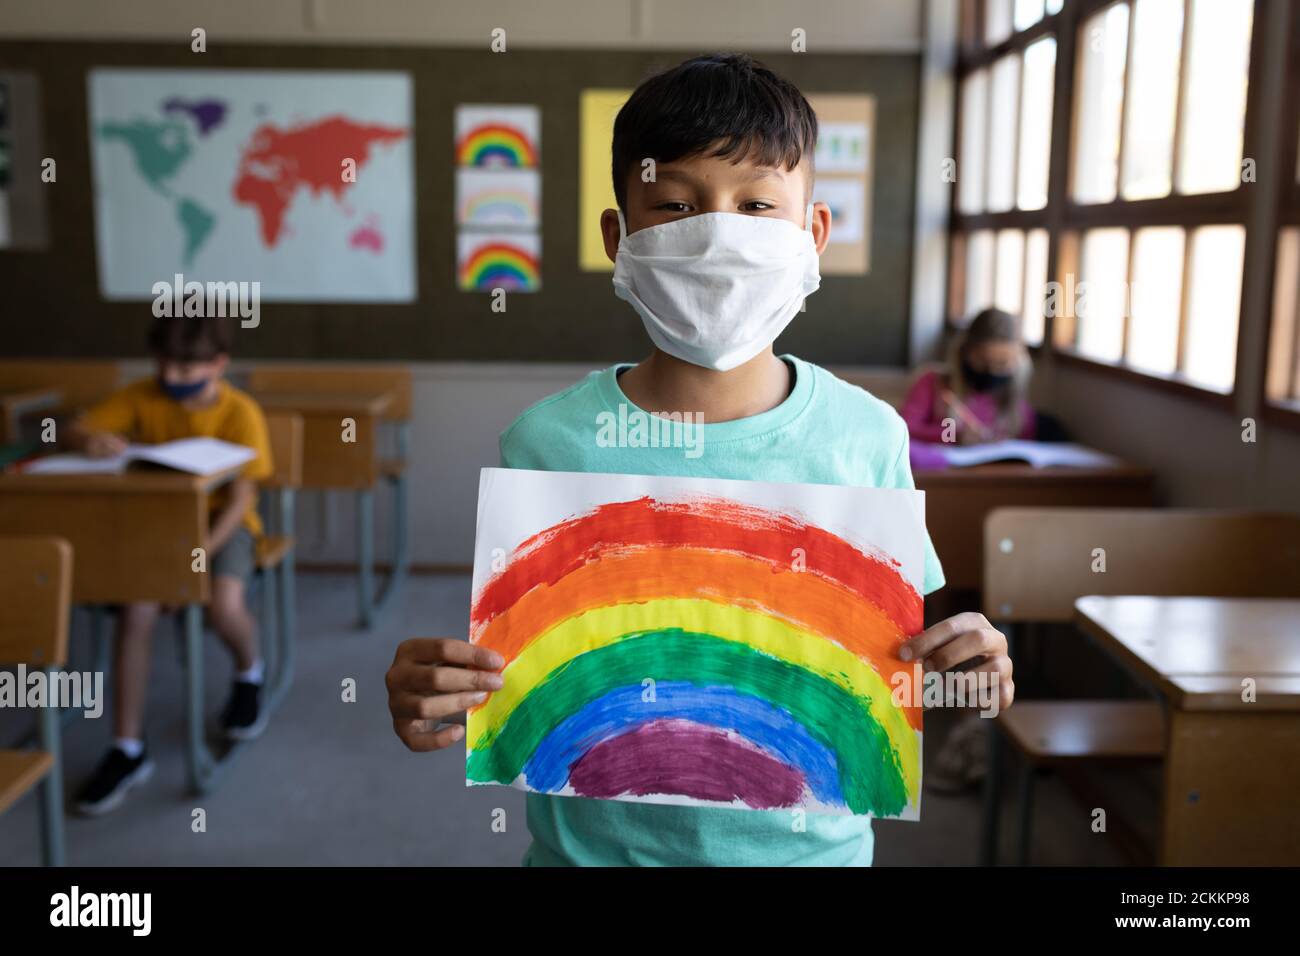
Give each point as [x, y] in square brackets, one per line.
[366, 556]
[1231, 779]
[199, 762]
[51, 729]
[992, 794]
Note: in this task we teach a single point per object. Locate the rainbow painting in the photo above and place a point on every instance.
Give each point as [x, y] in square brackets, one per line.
[701, 642]
[486, 262]
[498, 198]
[498, 136]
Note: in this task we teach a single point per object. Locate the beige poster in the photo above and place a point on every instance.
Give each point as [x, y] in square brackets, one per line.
[845, 165]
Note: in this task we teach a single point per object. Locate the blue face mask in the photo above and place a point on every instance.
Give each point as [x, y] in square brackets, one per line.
[180, 392]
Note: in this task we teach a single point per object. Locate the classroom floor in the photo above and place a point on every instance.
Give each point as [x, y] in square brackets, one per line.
[329, 784]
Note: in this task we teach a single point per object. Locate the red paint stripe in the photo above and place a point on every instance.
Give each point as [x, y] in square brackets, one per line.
[709, 523]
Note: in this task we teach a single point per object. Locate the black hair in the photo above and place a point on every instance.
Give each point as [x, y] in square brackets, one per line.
[190, 338]
[726, 104]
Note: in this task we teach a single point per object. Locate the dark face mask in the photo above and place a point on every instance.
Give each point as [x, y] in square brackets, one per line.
[982, 381]
[180, 392]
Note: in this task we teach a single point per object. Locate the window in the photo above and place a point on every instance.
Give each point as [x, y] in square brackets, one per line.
[1006, 81]
[1282, 373]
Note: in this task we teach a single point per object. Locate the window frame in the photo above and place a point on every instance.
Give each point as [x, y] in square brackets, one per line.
[1065, 220]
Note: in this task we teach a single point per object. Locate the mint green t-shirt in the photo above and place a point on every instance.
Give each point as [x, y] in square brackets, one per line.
[825, 432]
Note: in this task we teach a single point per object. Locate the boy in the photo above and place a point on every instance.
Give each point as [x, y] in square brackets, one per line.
[716, 255]
[187, 399]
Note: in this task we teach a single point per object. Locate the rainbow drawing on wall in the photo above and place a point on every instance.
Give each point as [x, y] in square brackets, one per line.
[697, 641]
[498, 198]
[498, 136]
[488, 261]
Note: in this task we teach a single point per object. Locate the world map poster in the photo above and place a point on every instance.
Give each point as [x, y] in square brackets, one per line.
[299, 180]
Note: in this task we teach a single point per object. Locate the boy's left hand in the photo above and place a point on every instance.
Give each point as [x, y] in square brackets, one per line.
[965, 642]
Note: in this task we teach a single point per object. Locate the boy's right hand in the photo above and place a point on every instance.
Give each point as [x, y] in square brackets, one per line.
[104, 445]
[433, 679]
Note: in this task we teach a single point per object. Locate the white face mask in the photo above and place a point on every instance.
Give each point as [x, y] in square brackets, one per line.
[718, 288]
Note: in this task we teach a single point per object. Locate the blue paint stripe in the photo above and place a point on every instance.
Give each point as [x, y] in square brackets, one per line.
[761, 723]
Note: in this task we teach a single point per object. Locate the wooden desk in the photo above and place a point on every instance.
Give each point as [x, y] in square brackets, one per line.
[957, 500]
[331, 463]
[1232, 767]
[133, 535]
[14, 405]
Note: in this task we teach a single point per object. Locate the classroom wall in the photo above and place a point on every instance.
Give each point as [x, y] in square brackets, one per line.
[844, 25]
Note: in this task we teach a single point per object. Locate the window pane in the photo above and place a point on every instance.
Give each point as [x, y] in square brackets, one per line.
[974, 139]
[1283, 358]
[1028, 12]
[1152, 98]
[1054, 6]
[1005, 93]
[1009, 279]
[997, 21]
[1213, 306]
[1036, 123]
[1100, 299]
[1156, 292]
[979, 273]
[1103, 40]
[1035, 286]
[1214, 100]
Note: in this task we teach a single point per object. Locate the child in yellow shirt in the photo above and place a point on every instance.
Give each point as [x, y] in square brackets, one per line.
[188, 398]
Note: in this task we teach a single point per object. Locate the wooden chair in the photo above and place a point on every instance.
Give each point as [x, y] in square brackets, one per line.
[1039, 561]
[349, 378]
[275, 549]
[35, 592]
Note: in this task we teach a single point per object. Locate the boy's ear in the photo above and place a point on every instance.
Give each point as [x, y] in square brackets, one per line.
[609, 230]
[821, 225]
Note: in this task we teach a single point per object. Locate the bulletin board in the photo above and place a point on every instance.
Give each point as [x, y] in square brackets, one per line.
[572, 317]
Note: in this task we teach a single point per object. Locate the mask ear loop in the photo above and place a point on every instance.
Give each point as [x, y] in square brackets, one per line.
[807, 221]
[622, 227]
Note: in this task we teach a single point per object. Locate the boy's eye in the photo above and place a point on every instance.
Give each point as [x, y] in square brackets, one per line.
[674, 206]
[757, 205]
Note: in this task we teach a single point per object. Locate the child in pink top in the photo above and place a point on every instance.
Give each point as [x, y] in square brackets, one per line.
[980, 396]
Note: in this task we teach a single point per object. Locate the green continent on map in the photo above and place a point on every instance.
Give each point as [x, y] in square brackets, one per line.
[158, 148]
[197, 223]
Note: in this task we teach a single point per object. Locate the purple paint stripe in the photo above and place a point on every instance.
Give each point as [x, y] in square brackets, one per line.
[686, 759]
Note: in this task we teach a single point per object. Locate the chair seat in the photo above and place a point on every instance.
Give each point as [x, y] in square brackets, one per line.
[20, 770]
[271, 550]
[392, 467]
[1058, 732]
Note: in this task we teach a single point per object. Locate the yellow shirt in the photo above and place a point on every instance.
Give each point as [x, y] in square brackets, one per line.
[142, 413]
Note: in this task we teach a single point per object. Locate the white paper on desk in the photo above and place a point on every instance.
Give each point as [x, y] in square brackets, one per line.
[197, 456]
[1038, 454]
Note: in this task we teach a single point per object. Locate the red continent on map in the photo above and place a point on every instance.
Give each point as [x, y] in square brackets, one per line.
[277, 163]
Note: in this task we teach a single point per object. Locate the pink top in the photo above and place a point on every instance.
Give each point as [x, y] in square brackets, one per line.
[924, 411]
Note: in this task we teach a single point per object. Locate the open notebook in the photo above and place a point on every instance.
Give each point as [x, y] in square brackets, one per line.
[198, 456]
[1037, 453]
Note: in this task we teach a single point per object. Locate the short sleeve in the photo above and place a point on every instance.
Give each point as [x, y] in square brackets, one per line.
[115, 414]
[247, 427]
[900, 476]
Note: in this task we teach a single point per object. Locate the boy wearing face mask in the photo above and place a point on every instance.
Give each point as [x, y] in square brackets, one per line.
[187, 398]
[981, 392]
[715, 255]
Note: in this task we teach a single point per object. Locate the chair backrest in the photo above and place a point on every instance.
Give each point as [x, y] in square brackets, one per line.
[81, 383]
[1039, 561]
[339, 377]
[35, 592]
[284, 430]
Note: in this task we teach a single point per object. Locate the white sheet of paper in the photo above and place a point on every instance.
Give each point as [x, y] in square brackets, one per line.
[198, 456]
